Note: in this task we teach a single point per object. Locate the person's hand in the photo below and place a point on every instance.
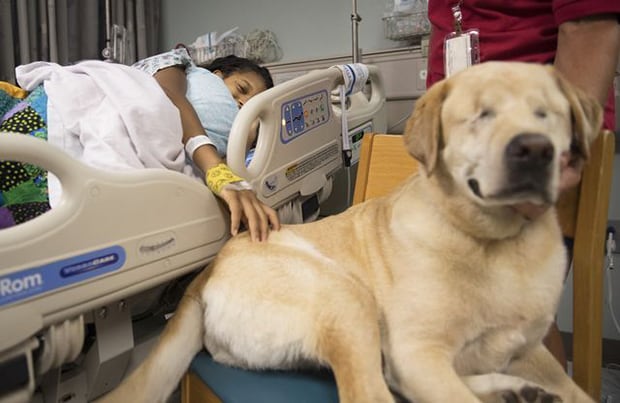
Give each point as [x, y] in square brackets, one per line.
[245, 207]
[242, 202]
[570, 170]
[570, 176]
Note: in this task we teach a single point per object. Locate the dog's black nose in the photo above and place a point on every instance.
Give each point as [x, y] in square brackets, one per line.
[529, 150]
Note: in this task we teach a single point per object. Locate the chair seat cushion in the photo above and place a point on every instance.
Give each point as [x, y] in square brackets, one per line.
[233, 385]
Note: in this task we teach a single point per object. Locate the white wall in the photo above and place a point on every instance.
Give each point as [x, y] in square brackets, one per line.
[305, 29]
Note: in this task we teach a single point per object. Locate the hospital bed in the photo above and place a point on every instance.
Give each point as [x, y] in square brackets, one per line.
[70, 280]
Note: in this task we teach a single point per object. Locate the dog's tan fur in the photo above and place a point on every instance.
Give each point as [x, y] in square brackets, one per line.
[454, 289]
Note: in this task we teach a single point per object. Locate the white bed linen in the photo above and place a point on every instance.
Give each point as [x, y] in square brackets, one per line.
[109, 116]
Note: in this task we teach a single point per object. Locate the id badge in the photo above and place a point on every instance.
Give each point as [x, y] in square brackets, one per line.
[460, 51]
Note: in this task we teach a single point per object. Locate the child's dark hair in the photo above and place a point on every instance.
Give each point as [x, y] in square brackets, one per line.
[232, 64]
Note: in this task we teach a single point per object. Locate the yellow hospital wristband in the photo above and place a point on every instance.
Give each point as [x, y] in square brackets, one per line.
[219, 177]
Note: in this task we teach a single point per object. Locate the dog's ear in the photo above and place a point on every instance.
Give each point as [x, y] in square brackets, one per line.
[423, 130]
[587, 116]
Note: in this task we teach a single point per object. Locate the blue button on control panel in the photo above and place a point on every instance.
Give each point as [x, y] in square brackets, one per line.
[301, 115]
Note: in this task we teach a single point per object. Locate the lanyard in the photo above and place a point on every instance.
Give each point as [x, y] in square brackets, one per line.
[458, 18]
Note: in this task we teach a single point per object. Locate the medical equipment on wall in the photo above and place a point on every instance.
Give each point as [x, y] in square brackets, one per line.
[211, 46]
[259, 45]
[263, 46]
[406, 19]
[115, 236]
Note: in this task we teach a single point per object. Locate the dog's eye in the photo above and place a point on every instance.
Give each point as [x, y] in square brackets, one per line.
[540, 113]
[486, 113]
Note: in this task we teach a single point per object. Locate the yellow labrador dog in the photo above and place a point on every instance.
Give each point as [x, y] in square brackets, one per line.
[442, 290]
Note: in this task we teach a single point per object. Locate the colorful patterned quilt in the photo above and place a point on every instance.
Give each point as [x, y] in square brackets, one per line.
[23, 187]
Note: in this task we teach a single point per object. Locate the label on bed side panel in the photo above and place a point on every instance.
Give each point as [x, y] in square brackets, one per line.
[29, 283]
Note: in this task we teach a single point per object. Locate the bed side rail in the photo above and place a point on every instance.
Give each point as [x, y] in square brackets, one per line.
[113, 234]
[299, 143]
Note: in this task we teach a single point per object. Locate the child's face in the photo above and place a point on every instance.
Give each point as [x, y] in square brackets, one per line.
[243, 86]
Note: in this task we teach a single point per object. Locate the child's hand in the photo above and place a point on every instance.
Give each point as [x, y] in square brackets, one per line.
[245, 207]
[242, 202]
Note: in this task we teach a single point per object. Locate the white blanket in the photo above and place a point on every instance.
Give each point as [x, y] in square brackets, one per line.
[109, 116]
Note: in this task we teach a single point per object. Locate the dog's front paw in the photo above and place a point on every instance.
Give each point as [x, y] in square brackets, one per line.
[529, 394]
[502, 388]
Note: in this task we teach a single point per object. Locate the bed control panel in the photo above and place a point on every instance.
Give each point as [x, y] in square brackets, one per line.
[304, 114]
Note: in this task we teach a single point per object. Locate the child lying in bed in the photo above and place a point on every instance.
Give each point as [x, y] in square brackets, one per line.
[186, 85]
[204, 99]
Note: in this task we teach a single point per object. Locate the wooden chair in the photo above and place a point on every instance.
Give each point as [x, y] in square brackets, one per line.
[384, 163]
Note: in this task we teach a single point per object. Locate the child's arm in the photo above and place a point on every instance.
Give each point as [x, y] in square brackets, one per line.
[244, 206]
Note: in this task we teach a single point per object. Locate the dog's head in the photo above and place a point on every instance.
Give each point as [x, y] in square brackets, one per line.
[499, 128]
